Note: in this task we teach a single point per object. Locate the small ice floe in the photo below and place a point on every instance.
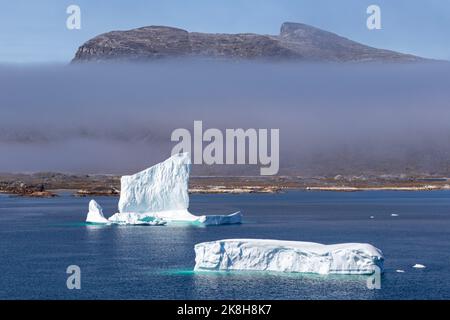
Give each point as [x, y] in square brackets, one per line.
[419, 266]
[400, 271]
[394, 215]
[372, 217]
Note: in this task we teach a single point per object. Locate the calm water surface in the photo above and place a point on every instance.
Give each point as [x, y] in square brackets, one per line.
[39, 238]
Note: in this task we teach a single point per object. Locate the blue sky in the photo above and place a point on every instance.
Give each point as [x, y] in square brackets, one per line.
[35, 31]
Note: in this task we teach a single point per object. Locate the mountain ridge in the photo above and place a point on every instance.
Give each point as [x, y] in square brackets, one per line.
[295, 42]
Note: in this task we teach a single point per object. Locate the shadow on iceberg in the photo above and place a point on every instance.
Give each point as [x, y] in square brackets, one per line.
[156, 196]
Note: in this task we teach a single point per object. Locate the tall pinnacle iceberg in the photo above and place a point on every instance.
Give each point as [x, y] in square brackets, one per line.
[95, 214]
[160, 194]
[162, 187]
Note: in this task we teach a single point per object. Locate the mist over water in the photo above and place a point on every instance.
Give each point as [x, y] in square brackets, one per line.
[333, 119]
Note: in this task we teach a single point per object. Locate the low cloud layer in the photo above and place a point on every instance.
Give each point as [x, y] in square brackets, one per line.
[350, 119]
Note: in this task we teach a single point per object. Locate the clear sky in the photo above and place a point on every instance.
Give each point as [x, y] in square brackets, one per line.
[35, 31]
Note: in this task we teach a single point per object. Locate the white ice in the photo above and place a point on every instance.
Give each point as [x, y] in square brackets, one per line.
[163, 187]
[135, 219]
[161, 193]
[287, 256]
[419, 266]
[175, 216]
[95, 214]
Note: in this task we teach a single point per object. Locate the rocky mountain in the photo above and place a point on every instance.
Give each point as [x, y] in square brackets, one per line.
[296, 41]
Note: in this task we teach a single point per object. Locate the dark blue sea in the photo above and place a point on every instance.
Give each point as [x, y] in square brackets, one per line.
[40, 238]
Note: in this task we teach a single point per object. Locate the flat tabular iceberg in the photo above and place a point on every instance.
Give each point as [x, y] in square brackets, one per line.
[287, 256]
[161, 193]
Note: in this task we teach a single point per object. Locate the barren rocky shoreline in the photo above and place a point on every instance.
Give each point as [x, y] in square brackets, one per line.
[48, 184]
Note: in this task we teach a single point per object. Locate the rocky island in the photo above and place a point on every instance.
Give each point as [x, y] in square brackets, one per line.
[295, 42]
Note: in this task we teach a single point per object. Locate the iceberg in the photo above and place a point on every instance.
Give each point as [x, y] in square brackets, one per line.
[174, 216]
[160, 194]
[135, 219]
[288, 256]
[163, 187]
[95, 214]
[220, 219]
